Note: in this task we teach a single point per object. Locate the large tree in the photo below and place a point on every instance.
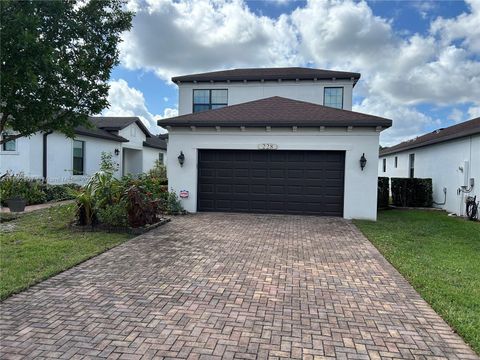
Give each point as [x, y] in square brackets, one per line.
[56, 58]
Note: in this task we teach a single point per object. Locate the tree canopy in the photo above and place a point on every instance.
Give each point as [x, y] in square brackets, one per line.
[56, 58]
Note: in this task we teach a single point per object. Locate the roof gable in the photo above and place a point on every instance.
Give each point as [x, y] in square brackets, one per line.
[457, 131]
[276, 111]
[116, 123]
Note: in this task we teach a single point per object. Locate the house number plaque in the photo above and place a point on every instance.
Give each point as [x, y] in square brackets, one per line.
[268, 146]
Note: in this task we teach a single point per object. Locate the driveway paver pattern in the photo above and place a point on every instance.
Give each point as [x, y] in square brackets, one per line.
[231, 286]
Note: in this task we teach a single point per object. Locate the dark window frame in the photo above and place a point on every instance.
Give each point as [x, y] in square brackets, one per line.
[384, 164]
[75, 171]
[334, 87]
[210, 104]
[4, 145]
[411, 166]
[161, 157]
[396, 162]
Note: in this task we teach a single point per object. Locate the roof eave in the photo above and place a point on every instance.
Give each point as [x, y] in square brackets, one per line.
[383, 124]
[99, 136]
[391, 151]
[154, 146]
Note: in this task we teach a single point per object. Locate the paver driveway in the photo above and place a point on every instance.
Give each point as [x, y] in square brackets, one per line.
[231, 286]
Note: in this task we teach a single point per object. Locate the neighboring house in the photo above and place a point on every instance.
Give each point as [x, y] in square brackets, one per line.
[449, 156]
[59, 159]
[278, 140]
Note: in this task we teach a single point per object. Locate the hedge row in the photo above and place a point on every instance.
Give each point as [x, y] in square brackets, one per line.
[406, 192]
[412, 192]
[34, 191]
[383, 197]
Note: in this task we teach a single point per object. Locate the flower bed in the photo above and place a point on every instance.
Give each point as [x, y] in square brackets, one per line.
[132, 202]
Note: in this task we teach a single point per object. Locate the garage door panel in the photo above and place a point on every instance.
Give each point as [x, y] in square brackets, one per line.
[244, 173]
[297, 182]
[259, 173]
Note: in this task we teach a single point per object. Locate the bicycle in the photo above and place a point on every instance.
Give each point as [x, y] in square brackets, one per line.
[472, 207]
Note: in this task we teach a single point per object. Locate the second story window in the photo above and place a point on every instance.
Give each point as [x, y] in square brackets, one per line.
[396, 161]
[384, 165]
[9, 145]
[209, 99]
[78, 157]
[333, 97]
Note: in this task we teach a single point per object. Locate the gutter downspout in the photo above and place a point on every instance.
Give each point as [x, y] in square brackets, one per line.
[44, 156]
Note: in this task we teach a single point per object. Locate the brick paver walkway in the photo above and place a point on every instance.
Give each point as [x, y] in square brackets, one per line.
[234, 286]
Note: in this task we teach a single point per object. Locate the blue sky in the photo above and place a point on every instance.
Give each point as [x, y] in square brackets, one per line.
[420, 61]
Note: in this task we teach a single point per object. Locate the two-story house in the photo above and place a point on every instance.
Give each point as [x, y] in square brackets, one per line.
[278, 140]
[58, 159]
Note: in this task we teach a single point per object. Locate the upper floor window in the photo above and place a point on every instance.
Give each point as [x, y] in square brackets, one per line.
[333, 97]
[78, 157]
[384, 165]
[209, 99]
[411, 166]
[160, 158]
[10, 145]
[396, 161]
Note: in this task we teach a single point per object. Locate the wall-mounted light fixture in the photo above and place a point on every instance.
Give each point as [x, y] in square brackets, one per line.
[117, 152]
[181, 158]
[363, 161]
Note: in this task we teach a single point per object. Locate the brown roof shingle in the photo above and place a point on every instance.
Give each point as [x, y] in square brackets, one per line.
[156, 142]
[118, 123]
[276, 111]
[257, 74]
[457, 131]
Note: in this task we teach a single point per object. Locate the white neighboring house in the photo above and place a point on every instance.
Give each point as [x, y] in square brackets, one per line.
[273, 140]
[449, 156]
[59, 159]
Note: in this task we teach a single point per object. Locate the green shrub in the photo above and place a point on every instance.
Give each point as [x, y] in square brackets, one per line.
[170, 204]
[34, 191]
[19, 186]
[159, 171]
[60, 192]
[113, 215]
[107, 164]
[383, 192]
[413, 192]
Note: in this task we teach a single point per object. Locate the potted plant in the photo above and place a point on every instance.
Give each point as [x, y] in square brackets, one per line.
[16, 202]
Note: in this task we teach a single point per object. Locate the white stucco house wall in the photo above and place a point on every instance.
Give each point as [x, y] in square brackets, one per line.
[278, 140]
[59, 159]
[449, 156]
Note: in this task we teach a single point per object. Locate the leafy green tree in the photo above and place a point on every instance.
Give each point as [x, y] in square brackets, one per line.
[56, 58]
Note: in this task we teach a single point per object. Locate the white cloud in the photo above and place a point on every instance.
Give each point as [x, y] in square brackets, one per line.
[399, 70]
[456, 115]
[128, 101]
[174, 38]
[465, 27]
[407, 121]
[474, 112]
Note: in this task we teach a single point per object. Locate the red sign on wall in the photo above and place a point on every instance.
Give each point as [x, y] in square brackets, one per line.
[183, 194]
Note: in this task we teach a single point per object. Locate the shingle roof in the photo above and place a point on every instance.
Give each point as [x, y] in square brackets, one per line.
[155, 142]
[98, 133]
[258, 74]
[457, 131]
[276, 111]
[118, 123]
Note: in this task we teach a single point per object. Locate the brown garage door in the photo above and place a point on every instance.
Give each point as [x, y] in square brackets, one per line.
[276, 181]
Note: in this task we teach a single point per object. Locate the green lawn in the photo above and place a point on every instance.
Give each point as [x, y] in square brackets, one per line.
[41, 245]
[440, 257]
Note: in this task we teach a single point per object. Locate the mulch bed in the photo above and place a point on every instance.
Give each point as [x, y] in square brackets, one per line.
[121, 229]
